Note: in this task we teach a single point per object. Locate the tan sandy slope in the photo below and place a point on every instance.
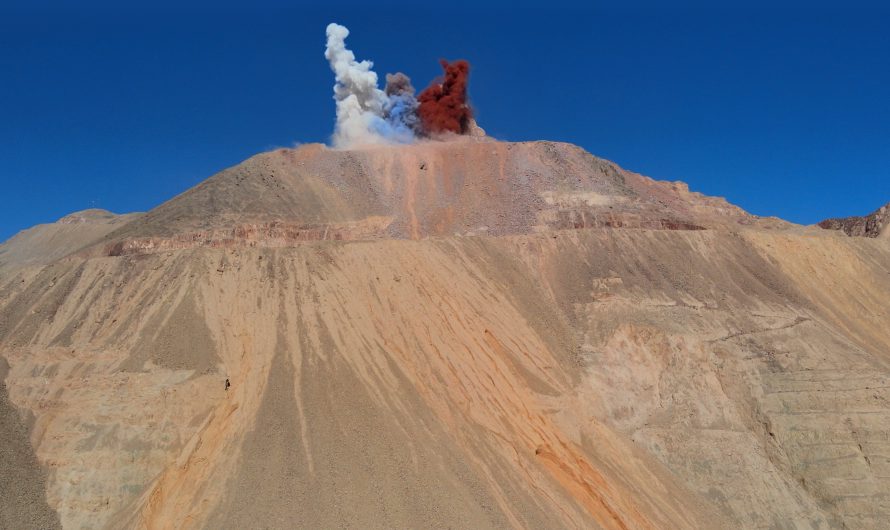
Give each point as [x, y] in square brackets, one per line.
[46, 243]
[461, 334]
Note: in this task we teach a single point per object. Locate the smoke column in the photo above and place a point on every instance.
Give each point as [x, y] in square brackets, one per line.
[443, 106]
[361, 106]
[401, 106]
[368, 115]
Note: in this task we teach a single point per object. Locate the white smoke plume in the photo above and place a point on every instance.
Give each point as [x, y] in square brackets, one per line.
[364, 112]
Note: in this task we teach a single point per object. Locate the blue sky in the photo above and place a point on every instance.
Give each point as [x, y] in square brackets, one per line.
[784, 112]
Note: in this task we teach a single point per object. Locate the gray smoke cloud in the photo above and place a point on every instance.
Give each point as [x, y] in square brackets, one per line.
[398, 84]
[400, 109]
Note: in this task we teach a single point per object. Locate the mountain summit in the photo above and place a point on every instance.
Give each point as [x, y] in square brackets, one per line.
[433, 189]
[464, 333]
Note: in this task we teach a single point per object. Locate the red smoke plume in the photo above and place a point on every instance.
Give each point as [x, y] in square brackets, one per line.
[443, 105]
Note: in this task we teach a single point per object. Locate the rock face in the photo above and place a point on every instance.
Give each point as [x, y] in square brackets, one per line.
[872, 225]
[468, 334]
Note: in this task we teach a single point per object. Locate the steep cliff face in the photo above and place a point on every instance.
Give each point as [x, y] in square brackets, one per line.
[872, 225]
[472, 335]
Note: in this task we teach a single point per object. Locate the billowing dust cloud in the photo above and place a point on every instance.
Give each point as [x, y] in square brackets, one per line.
[368, 115]
[401, 106]
[443, 106]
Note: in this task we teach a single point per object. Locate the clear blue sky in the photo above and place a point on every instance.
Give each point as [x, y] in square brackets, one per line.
[783, 112]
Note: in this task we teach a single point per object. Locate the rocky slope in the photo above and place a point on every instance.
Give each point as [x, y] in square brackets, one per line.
[872, 225]
[46, 243]
[460, 188]
[470, 334]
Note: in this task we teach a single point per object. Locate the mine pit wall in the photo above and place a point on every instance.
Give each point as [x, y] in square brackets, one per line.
[500, 369]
